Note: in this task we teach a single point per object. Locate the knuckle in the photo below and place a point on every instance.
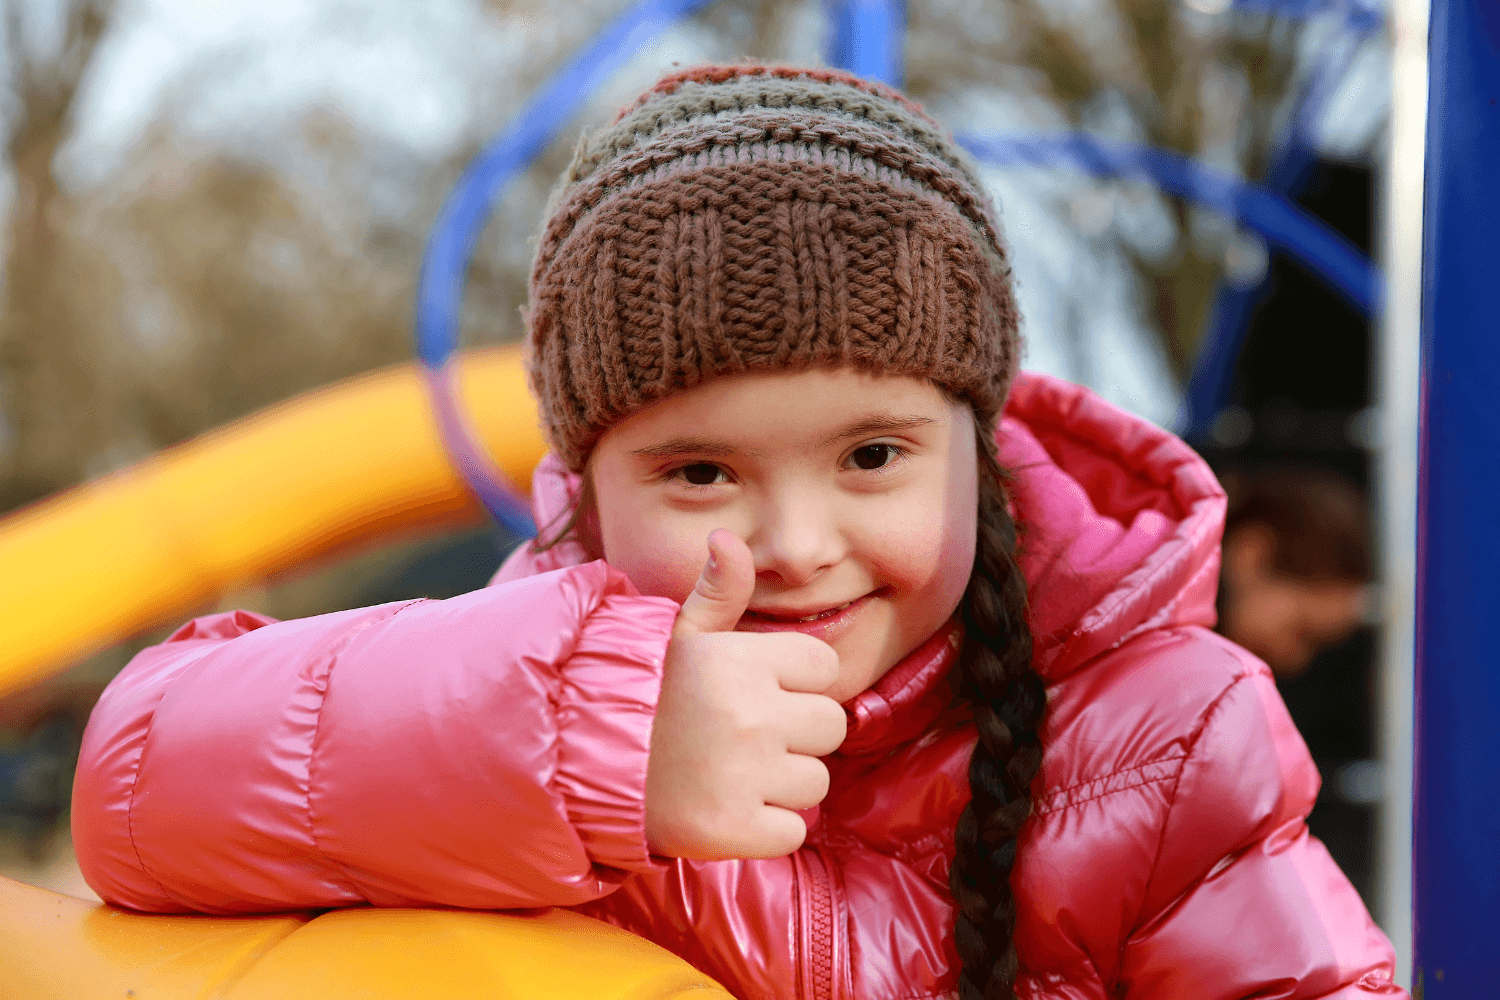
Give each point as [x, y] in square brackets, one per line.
[747, 717]
[833, 725]
[708, 590]
[779, 834]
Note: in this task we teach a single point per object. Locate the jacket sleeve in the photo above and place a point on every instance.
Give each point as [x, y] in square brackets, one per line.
[487, 751]
[1242, 902]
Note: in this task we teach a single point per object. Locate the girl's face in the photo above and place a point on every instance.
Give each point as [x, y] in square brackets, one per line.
[856, 494]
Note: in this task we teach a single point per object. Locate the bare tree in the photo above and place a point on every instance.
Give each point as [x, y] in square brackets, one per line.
[52, 350]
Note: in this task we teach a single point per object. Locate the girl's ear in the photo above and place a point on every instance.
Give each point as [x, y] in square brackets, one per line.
[586, 516]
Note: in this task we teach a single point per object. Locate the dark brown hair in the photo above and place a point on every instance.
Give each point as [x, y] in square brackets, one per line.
[1317, 519]
[1007, 699]
[561, 528]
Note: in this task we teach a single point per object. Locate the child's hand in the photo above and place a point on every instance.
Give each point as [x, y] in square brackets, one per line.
[740, 724]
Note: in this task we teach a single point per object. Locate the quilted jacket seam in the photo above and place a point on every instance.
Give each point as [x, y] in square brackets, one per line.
[335, 650]
[1163, 568]
[135, 778]
[1063, 793]
[1205, 719]
[1059, 425]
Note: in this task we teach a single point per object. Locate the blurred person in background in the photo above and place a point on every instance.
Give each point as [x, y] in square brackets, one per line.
[1294, 589]
[1296, 566]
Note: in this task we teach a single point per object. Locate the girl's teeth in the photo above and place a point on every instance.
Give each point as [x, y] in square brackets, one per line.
[826, 614]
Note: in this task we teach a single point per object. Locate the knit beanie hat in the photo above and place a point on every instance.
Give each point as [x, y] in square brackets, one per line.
[750, 218]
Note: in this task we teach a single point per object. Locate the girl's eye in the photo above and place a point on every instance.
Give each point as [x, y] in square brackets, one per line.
[874, 456]
[700, 474]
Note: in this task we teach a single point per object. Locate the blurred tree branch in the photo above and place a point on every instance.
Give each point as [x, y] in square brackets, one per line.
[50, 359]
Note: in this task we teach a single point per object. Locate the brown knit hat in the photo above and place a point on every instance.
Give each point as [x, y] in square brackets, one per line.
[746, 218]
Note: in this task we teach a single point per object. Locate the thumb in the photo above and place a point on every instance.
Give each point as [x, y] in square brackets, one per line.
[723, 590]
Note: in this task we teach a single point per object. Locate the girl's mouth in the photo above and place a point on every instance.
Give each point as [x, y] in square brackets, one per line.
[784, 619]
[826, 624]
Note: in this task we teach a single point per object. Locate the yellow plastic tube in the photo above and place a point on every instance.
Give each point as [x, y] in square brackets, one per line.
[314, 475]
[57, 948]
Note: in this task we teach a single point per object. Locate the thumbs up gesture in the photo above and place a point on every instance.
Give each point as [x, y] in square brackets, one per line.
[740, 724]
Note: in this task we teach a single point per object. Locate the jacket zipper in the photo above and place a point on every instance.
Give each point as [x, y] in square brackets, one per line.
[818, 928]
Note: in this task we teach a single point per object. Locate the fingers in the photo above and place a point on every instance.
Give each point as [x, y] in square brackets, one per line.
[756, 830]
[740, 724]
[724, 588]
[778, 832]
[815, 725]
[804, 663]
[797, 783]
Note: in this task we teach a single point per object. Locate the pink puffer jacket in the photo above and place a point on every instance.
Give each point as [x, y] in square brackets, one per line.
[490, 751]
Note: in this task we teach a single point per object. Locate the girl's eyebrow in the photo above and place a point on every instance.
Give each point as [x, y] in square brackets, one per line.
[881, 424]
[684, 445]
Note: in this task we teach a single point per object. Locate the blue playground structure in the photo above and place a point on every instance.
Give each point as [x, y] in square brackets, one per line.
[1457, 775]
[1456, 870]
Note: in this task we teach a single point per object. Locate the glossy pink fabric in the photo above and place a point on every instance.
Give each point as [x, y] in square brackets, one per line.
[490, 751]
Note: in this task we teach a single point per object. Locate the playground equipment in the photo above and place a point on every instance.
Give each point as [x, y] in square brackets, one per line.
[52, 946]
[863, 39]
[1292, 162]
[1456, 875]
[222, 510]
[305, 479]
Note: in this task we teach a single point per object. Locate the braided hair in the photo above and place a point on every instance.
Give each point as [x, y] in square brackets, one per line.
[1007, 699]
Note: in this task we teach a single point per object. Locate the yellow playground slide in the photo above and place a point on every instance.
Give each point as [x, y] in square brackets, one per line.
[302, 480]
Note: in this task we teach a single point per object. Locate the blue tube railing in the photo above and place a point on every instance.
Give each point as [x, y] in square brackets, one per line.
[1456, 871]
[865, 37]
[1277, 219]
[1292, 163]
[455, 234]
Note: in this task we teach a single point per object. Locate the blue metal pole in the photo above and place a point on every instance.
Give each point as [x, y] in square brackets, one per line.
[1456, 865]
[866, 38]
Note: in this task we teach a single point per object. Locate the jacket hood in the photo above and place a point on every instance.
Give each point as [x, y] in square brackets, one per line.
[1120, 522]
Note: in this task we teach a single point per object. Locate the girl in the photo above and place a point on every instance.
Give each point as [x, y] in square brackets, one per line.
[771, 692]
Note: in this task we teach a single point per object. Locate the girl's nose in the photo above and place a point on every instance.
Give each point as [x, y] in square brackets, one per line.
[797, 538]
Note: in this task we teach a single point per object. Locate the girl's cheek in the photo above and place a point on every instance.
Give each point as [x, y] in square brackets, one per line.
[930, 567]
[662, 577]
[660, 562]
[911, 559]
[920, 551]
